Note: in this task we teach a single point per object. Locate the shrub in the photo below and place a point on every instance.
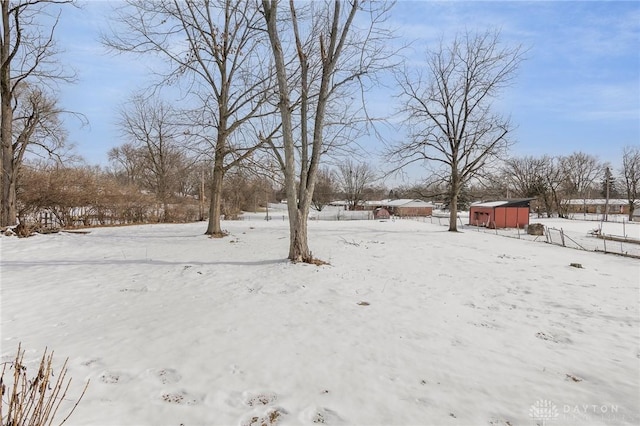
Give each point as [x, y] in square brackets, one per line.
[34, 400]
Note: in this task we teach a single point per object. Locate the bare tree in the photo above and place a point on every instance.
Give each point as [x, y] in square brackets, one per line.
[609, 183]
[214, 47]
[631, 176]
[580, 171]
[553, 178]
[424, 190]
[353, 179]
[450, 118]
[331, 56]
[375, 192]
[126, 163]
[27, 56]
[525, 176]
[151, 125]
[37, 129]
[325, 189]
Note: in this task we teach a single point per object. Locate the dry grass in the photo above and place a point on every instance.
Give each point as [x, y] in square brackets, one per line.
[33, 400]
[318, 262]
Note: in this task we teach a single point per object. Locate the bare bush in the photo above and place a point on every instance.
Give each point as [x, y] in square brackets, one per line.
[34, 400]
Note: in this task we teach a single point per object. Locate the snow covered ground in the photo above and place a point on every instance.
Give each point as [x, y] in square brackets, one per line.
[408, 325]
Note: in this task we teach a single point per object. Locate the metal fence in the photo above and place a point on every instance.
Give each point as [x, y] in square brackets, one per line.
[594, 241]
[330, 216]
[588, 241]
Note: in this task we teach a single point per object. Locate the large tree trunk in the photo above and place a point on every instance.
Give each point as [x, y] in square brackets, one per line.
[214, 229]
[556, 202]
[548, 204]
[8, 204]
[298, 247]
[7, 187]
[298, 209]
[298, 241]
[453, 213]
[331, 46]
[166, 215]
[453, 202]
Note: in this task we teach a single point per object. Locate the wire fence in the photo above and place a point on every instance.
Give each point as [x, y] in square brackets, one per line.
[329, 216]
[599, 217]
[593, 240]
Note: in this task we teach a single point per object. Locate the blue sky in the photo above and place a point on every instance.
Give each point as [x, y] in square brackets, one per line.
[578, 90]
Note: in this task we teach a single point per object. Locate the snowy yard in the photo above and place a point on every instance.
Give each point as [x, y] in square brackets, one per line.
[408, 325]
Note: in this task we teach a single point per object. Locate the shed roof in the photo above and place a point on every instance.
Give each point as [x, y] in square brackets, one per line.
[401, 202]
[514, 202]
[598, 201]
[488, 204]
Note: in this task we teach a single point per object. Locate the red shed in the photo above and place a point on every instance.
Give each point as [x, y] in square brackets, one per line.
[381, 213]
[501, 214]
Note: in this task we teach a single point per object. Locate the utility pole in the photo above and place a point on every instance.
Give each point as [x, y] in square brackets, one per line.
[201, 195]
[607, 175]
[266, 193]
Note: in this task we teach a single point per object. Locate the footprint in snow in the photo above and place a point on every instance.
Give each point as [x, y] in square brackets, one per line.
[92, 362]
[259, 398]
[142, 289]
[552, 338]
[114, 377]
[545, 336]
[483, 325]
[165, 376]
[233, 368]
[499, 422]
[270, 418]
[180, 397]
[320, 415]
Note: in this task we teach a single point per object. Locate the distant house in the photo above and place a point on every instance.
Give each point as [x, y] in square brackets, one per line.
[512, 213]
[340, 203]
[403, 207]
[597, 205]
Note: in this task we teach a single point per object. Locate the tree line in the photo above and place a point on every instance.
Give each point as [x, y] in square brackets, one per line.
[132, 190]
[550, 180]
[272, 95]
